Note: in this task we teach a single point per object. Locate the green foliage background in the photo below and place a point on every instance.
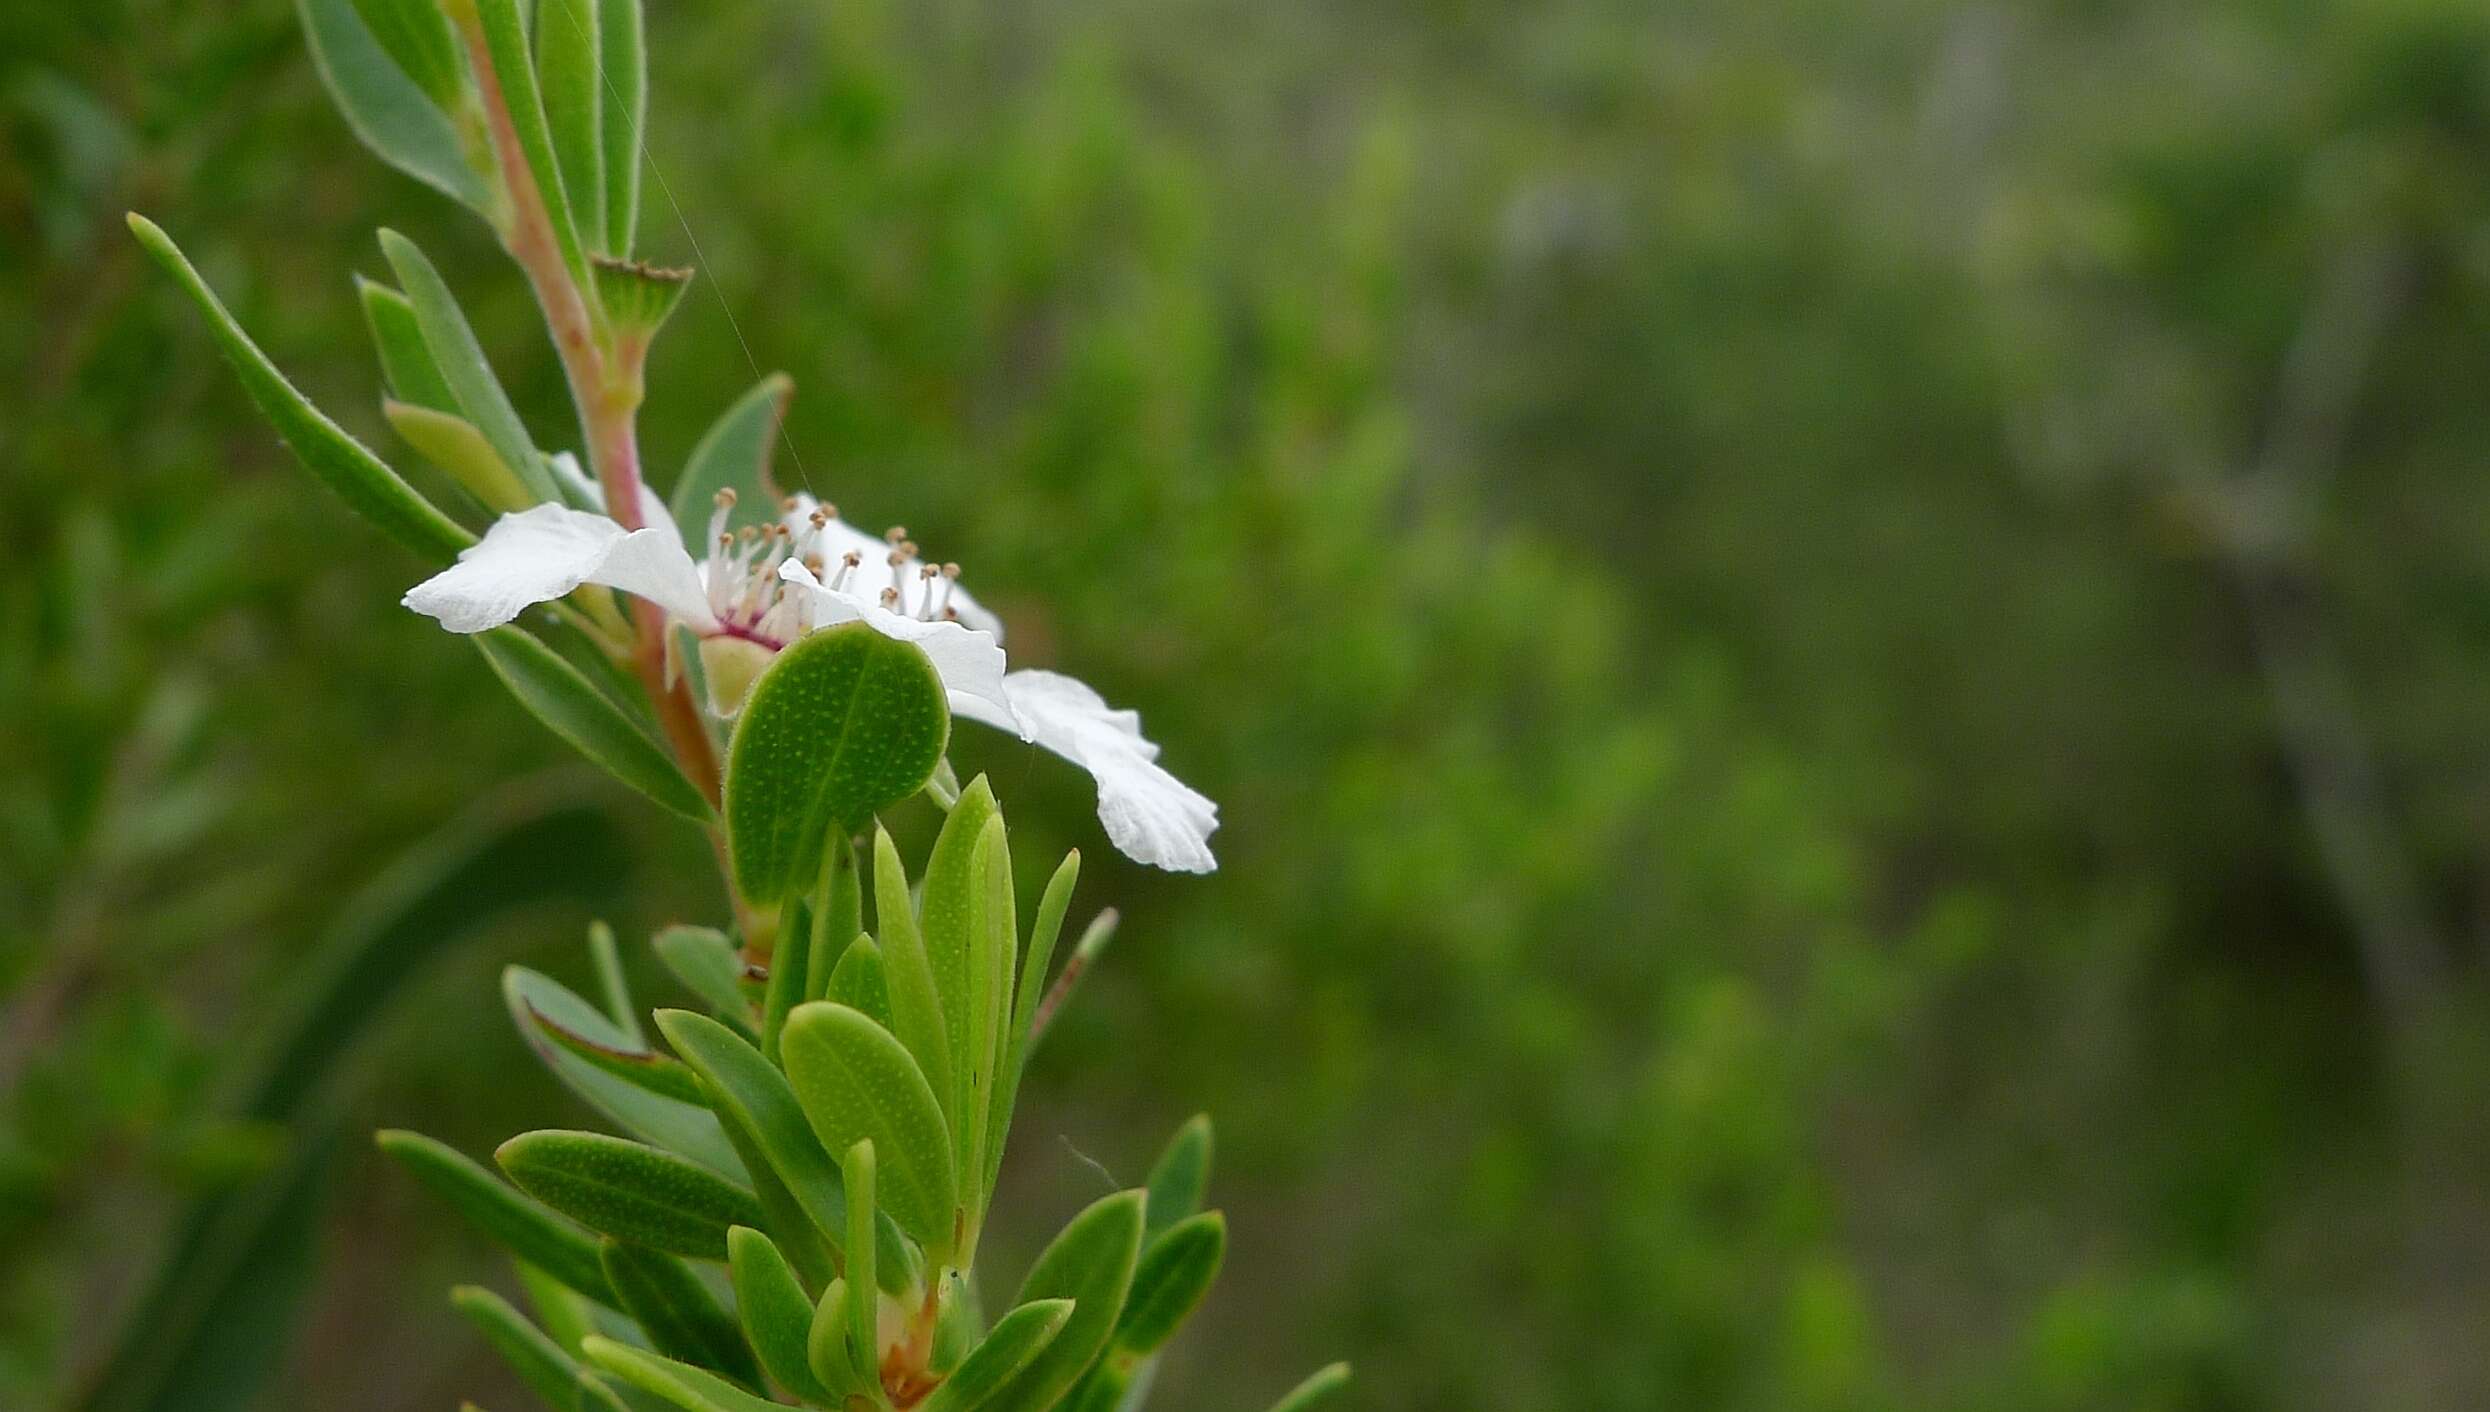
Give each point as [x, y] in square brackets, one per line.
[1844, 648]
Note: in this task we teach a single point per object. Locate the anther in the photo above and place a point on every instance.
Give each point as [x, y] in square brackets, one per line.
[726, 497]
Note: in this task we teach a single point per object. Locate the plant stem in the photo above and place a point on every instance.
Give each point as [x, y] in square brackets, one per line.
[608, 396]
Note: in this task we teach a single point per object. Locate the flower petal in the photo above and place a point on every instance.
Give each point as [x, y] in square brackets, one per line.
[545, 551]
[1151, 815]
[969, 662]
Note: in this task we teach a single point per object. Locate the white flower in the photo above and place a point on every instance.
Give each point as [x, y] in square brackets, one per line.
[758, 590]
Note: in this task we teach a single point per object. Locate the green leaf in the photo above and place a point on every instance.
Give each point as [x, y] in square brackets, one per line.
[1174, 1273]
[566, 1315]
[339, 461]
[854, 1081]
[568, 35]
[505, 39]
[1090, 1261]
[1181, 1177]
[777, 1315]
[549, 1372]
[607, 958]
[629, 1190]
[864, 1342]
[1315, 1390]
[826, 1344]
[686, 1129]
[734, 454]
[687, 1387]
[452, 443]
[837, 916]
[915, 1004]
[859, 984]
[641, 1068]
[1018, 1338]
[625, 66]
[1026, 994]
[532, 1233]
[405, 363]
[705, 960]
[677, 1312]
[845, 722]
[758, 1095]
[462, 364]
[388, 109]
[559, 695]
[947, 921]
[994, 944]
[417, 38]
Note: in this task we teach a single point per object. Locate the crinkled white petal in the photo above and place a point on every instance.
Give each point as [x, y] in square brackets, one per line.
[1151, 815]
[969, 662]
[545, 551]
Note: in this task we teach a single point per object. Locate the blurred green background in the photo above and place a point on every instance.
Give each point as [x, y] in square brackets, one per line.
[1844, 647]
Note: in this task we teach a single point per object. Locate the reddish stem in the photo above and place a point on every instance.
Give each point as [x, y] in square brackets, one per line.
[607, 396]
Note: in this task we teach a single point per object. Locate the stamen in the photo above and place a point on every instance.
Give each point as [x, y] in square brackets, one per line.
[895, 535]
[890, 598]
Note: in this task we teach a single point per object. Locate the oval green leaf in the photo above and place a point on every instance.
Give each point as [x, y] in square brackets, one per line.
[844, 723]
[678, 1313]
[854, 1081]
[629, 1190]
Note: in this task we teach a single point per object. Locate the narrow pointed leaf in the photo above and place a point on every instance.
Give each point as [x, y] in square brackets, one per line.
[505, 40]
[1018, 1338]
[946, 918]
[836, 916]
[623, 52]
[1315, 1391]
[1090, 1261]
[660, 1075]
[416, 36]
[388, 109]
[776, 1313]
[1181, 1177]
[568, 36]
[734, 454]
[405, 363]
[686, 1129]
[339, 461]
[993, 946]
[564, 1313]
[864, 1344]
[462, 364]
[681, 1384]
[1025, 996]
[629, 1190]
[549, 1372]
[607, 958]
[826, 1345]
[677, 1312]
[559, 695]
[854, 1081]
[915, 1004]
[845, 722]
[532, 1232]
